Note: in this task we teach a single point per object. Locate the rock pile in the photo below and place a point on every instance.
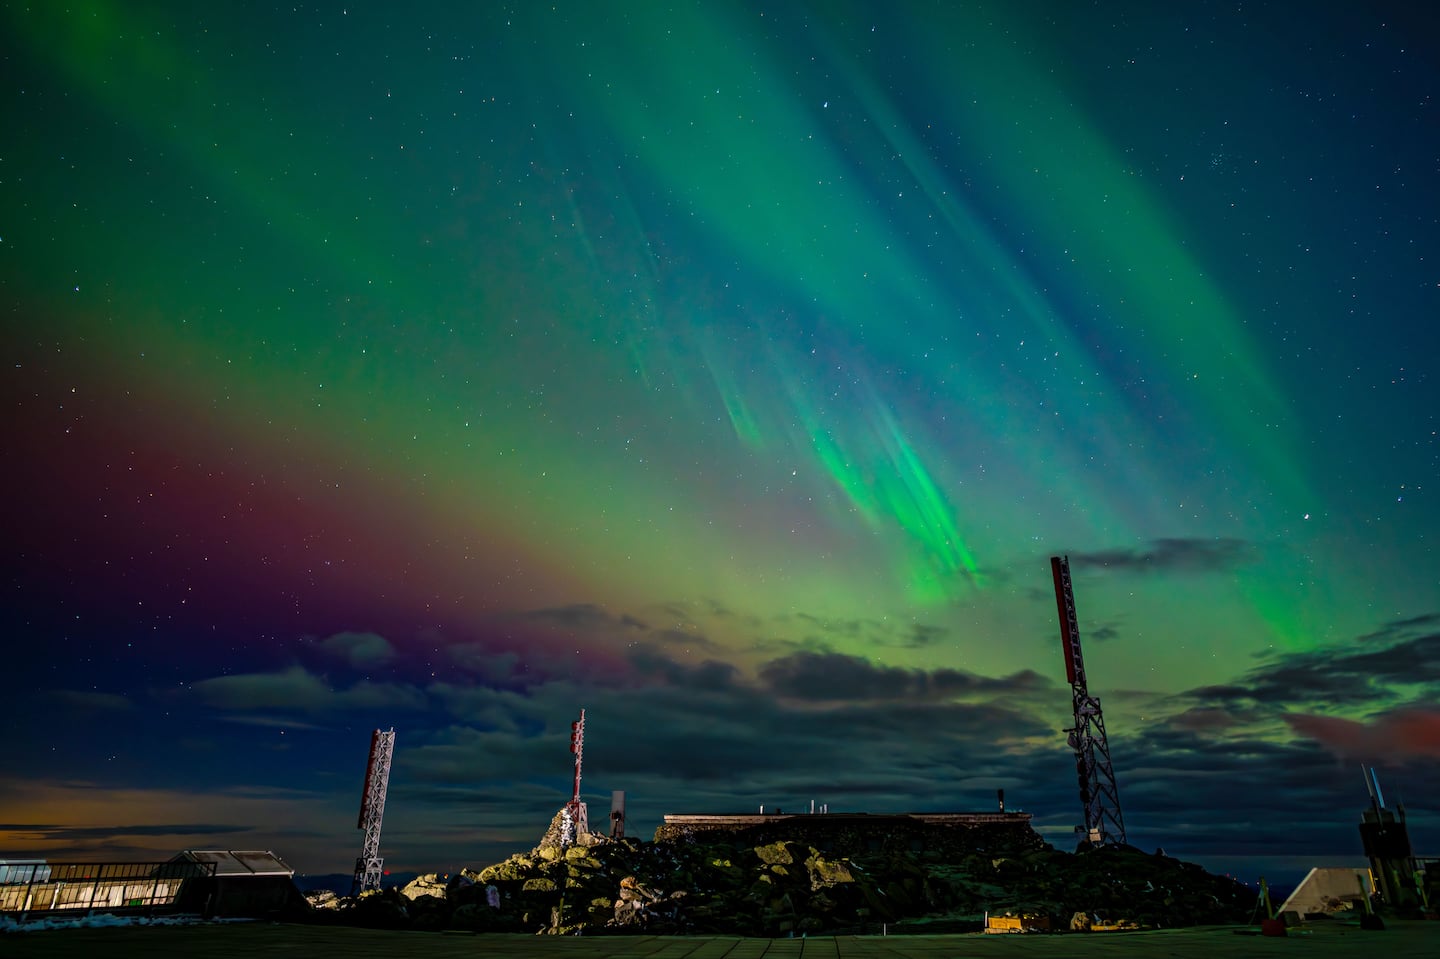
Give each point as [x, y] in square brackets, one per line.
[731, 884]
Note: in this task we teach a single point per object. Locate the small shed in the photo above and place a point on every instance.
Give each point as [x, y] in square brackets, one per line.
[247, 883]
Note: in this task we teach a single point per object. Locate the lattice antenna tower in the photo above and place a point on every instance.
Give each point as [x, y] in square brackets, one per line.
[579, 816]
[1104, 824]
[369, 868]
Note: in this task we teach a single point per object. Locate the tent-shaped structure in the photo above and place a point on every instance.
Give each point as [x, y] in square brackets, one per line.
[1327, 889]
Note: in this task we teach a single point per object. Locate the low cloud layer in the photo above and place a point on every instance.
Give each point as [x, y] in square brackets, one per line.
[358, 649]
[297, 690]
[482, 755]
[834, 677]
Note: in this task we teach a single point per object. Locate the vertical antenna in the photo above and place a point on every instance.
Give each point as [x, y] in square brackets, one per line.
[369, 866]
[578, 814]
[1099, 796]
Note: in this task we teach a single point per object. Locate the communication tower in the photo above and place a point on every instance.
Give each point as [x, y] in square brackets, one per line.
[1099, 796]
[579, 816]
[369, 867]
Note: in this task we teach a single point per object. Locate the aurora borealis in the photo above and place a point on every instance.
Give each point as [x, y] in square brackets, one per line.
[730, 370]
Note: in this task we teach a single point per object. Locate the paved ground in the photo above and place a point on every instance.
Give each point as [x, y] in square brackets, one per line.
[1401, 940]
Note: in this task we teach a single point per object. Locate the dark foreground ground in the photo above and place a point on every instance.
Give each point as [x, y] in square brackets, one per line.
[1400, 940]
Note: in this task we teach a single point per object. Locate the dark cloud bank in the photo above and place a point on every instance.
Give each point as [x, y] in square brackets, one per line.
[1258, 771]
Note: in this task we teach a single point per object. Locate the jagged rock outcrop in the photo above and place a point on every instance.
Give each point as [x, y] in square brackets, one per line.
[768, 885]
[430, 884]
[323, 899]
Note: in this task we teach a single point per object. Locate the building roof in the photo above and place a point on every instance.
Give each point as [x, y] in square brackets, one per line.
[239, 862]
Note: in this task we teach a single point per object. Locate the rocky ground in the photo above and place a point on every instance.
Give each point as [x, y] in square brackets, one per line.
[763, 884]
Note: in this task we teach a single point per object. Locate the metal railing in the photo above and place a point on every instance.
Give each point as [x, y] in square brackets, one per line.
[27, 888]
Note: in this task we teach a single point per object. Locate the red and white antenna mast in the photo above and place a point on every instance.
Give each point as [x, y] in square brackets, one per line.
[1099, 796]
[369, 867]
[579, 816]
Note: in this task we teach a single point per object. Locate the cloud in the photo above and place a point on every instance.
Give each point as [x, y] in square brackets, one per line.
[463, 754]
[1277, 745]
[1403, 628]
[710, 674]
[88, 820]
[1175, 555]
[771, 644]
[823, 631]
[49, 832]
[1374, 674]
[1399, 734]
[674, 753]
[274, 722]
[1204, 786]
[359, 649]
[705, 738]
[483, 663]
[1370, 701]
[486, 707]
[1201, 720]
[593, 623]
[582, 617]
[480, 776]
[921, 636]
[836, 677]
[297, 689]
[686, 639]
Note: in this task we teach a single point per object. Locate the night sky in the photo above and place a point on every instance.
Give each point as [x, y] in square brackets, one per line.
[730, 370]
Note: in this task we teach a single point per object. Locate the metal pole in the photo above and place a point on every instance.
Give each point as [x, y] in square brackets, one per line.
[93, 890]
[29, 891]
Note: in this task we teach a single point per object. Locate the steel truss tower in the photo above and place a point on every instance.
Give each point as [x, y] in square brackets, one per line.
[1099, 796]
[579, 816]
[369, 867]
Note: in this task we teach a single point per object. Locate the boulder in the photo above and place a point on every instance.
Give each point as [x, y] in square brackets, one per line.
[514, 869]
[430, 884]
[428, 913]
[323, 899]
[776, 853]
[378, 910]
[825, 873]
[581, 856]
[478, 917]
[724, 873]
